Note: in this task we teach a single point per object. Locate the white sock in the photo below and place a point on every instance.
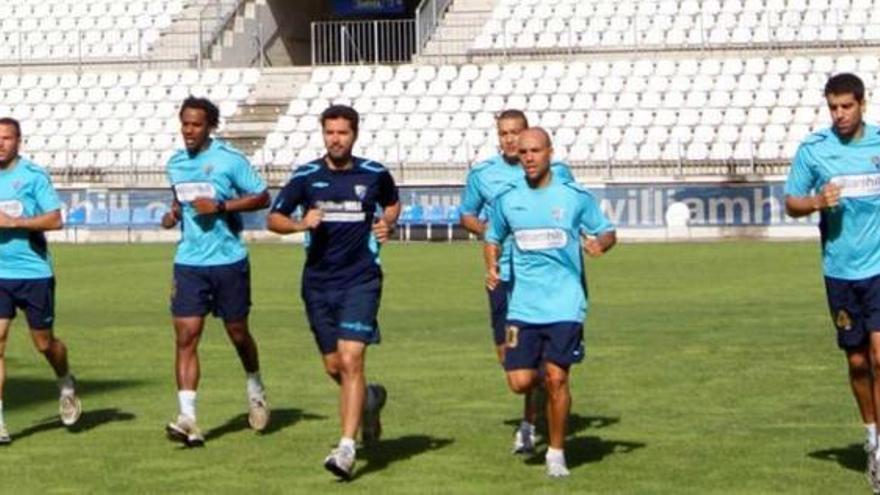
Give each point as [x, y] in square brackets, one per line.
[555, 455]
[66, 385]
[1, 412]
[254, 384]
[187, 401]
[346, 443]
[871, 434]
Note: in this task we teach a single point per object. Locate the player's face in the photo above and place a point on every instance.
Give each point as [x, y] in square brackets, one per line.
[846, 113]
[508, 136]
[194, 128]
[534, 153]
[339, 138]
[8, 143]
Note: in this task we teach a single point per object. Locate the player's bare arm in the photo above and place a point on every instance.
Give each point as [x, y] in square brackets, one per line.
[39, 223]
[801, 206]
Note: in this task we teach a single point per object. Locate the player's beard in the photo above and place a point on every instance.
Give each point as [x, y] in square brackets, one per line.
[340, 161]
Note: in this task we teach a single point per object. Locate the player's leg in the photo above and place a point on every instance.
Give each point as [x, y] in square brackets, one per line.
[232, 301]
[524, 436]
[522, 356]
[37, 298]
[563, 346]
[190, 302]
[5, 322]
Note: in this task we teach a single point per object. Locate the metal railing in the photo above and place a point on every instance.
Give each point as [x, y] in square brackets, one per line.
[363, 42]
[428, 15]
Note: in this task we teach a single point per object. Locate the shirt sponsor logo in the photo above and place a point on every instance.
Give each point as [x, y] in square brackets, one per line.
[344, 216]
[858, 186]
[539, 239]
[342, 211]
[12, 207]
[190, 191]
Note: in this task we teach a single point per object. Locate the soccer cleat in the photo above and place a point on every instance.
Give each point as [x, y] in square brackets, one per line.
[69, 408]
[524, 439]
[186, 431]
[5, 439]
[556, 468]
[258, 412]
[872, 469]
[371, 423]
[340, 462]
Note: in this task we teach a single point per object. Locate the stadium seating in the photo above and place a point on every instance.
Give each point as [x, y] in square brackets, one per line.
[68, 30]
[112, 119]
[622, 110]
[591, 25]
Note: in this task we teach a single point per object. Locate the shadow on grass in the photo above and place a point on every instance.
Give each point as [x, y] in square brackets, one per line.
[851, 457]
[23, 392]
[88, 421]
[379, 455]
[280, 419]
[576, 423]
[589, 449]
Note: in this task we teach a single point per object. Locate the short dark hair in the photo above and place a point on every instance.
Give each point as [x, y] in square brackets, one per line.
[341, 112]
[513, 113]
[12, 123]
[845, 83]
[211, 111]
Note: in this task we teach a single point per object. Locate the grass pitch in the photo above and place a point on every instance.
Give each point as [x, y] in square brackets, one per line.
[711, 368]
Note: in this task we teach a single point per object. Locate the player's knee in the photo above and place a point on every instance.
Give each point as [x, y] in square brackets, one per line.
[351, 363]
[554, 382]
[520, 384]
[43, 343]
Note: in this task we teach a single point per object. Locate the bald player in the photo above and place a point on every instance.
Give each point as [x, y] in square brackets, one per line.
[546, 217]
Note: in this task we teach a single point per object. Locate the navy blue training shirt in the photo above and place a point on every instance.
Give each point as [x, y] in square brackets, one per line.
[342, 252]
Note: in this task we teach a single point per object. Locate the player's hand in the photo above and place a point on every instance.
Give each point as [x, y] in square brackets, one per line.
[829, 197]
[6, 221]
[312, 218]
[382, 230]
[492, 278]
[592, 247]
[204, 206]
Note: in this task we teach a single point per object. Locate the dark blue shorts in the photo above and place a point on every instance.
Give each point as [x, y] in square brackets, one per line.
[36, 297]
[224, 290]
[855, 309]
[527, 345]
[498, 310]
[343, 314]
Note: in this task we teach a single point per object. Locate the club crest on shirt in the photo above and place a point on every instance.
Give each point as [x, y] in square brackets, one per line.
[843, 320]
[207, 168]
[875, 160]
[360, 191]
[558, 213]
[16, 184]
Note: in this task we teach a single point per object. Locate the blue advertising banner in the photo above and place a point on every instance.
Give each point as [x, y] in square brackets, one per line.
[627, 205]
[368, 7]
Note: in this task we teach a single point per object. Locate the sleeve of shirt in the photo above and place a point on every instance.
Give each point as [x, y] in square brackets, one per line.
[471, 199]
[245, 178]
[45, 195]
[290, 197]
[498, 228]
[592, 220]
[387, 190]
[801, 177]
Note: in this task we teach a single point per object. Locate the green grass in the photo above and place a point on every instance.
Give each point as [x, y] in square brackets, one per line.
[711, 368]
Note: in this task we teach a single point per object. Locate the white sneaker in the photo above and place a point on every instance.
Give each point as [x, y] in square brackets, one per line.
[556, 468]
[186, 431]
[340, 462]
[258, 412]
[70, 409]
[524, 439]
[371, 423]
[872, 469]
[5, 439]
